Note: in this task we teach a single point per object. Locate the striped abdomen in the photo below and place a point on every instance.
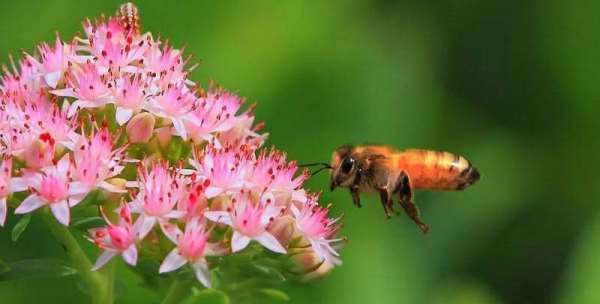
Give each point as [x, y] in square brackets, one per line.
[428, 169]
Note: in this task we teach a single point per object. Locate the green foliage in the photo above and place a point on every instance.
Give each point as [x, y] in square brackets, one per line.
[207, 296]
[35, 268]
[20, 227]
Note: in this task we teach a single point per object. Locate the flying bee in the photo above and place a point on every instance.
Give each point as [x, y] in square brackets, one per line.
[396, 173]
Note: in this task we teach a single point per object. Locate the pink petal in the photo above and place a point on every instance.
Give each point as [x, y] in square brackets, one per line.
[270, 242]
[239, 241]
[61, 212]
[173, 261]
[299, 196]
[179, 128]
[123, 115]
[202, 272]
[76, 188]
[64, 92]
[29, 204]
[110, 187]
[175, 214]
[130, 255]
[2, 211]
[171, 231]
[77, 105]
[63, 164]
[143, 225]
[219, 217]
[17, 184]
[211, 192]
[103, 259]
[52, 78]
[76, 199]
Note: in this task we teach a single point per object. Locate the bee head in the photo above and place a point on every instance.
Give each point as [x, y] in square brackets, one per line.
[343, 167]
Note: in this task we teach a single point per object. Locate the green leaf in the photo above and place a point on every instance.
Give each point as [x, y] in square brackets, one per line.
[87, 222]
[4, 268]
[275, 294]
[20, 227]
[37, 268]
[207, 296]
[267, 272]
[174, 150]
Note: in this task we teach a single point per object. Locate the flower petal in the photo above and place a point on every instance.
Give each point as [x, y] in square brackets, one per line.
[171, 231]
[17, 184]
[110, 187]
[103, 259]
[270, 242]
[63, 164]
[219, 217]
[76, 188]
[239, 241]
[52, 78]
[143, 225]
[29, 204]
[2, 211]
[61, 212]
[211, 191]
[173, 261]
[123, 115]
[175, 214]
[202, 272]
[68, 92]
[130, 255]
[179, 128]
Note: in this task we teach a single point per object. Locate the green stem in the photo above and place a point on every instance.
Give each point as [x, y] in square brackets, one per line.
[177, 292]
[109, 282]
[94, 280]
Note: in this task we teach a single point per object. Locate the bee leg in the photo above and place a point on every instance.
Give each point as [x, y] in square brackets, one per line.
[386, 202]
[355, 196]
[404, 190]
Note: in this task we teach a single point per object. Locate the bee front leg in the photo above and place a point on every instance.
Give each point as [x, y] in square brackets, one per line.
[404, 190]
[355, 196]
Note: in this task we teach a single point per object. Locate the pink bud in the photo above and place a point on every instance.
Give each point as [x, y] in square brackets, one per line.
[310, 265]
[140, 127]
[164, 136]
[282, 228]
[39, 154]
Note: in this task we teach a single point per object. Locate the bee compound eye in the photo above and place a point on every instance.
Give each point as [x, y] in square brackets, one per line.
[348, 164]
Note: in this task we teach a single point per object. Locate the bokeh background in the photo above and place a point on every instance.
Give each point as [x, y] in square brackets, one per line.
[511, 85]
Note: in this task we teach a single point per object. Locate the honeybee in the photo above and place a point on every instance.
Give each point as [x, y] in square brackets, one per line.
[396, 173]
[128, 16]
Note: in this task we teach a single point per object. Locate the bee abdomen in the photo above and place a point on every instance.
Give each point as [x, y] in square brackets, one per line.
[438, 170]
[467, 177]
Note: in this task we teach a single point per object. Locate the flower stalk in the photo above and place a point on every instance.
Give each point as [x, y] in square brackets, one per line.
[94, 281]
[178, 290]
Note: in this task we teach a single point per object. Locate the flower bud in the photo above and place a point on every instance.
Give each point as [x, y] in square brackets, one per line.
[308, 263]
[164, 135]
[140, 128]
[38, 154]
[282, 228]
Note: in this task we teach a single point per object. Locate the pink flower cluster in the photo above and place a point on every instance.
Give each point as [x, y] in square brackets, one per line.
[54, 149]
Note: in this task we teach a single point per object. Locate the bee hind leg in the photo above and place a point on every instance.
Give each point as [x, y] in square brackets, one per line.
[404, 191]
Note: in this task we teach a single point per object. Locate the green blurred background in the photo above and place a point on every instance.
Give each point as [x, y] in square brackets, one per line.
[511, 85]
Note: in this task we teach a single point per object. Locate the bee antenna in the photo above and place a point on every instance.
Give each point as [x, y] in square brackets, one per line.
[324, 165]
[319, 170]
